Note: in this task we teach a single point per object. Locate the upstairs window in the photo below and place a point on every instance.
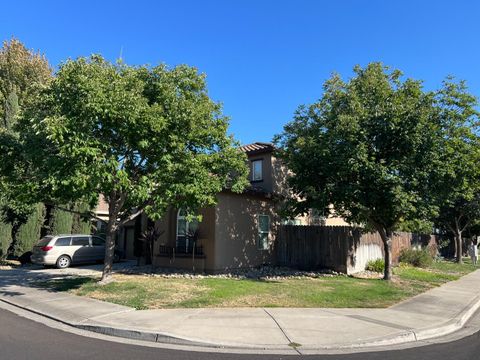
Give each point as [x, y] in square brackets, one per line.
[317, 218]
[257, 166]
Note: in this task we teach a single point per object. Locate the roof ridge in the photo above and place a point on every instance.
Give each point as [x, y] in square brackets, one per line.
[257, 147]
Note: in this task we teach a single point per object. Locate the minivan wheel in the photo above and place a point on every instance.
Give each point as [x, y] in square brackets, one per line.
[63, 262]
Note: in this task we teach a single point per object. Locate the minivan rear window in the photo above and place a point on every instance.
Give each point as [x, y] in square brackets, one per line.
[44, 241]
[63, 241]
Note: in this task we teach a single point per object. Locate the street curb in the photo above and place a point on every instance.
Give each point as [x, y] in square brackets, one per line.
[156, 337]
[409, 336]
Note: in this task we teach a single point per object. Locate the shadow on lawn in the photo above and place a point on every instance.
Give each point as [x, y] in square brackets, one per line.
[64, 284]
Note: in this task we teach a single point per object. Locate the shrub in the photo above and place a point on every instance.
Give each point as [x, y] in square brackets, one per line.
[29, 233]
[80, 225]
[418, 258]
[5, 239]
[377, 265]
[60, 221]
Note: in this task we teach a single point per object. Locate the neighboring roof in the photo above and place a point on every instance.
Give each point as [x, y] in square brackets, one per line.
[257, 147]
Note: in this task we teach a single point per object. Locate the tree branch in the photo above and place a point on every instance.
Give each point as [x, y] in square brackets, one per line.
[130, 217]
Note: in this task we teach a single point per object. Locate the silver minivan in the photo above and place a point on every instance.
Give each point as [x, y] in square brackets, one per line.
[64, 250]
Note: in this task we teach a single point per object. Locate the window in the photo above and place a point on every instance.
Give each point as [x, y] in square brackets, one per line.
[44, 241]
[257, 170]
[96, 241]
[292, 222]
[317, 218]
[81, 241]
[64, 241]
[263, 231]
[185, 230]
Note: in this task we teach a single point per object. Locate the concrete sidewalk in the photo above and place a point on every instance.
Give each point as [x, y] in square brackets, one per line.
[307, 331]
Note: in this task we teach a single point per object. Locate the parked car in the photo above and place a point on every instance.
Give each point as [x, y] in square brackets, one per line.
[65, 250]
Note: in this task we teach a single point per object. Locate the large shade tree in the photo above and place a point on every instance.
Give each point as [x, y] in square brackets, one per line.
[458, 185]
[23, 74]
[367, 147]
[145, 137]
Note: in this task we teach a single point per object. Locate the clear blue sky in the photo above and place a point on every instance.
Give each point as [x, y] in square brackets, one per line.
[262, 58]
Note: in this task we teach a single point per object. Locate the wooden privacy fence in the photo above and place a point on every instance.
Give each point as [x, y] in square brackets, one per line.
[340, 248]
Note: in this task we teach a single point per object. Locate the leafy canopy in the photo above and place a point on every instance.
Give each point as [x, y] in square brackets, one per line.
[368, 147]
[144, 137]
[458, 186]
[23, 74]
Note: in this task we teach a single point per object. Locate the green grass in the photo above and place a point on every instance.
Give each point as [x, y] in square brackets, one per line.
[146, 292]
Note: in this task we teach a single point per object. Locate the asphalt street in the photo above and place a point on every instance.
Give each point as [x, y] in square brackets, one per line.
[21, 338]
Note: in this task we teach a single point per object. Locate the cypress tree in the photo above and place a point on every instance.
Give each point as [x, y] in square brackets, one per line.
[29, 233]
[61, 221]
[5, 239]
[80, 224]
[11, 110]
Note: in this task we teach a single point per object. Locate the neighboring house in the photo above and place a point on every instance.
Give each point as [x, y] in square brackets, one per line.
[101, 212]
[126, 236]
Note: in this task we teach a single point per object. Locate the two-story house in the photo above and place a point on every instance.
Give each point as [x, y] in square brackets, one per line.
[238, 232]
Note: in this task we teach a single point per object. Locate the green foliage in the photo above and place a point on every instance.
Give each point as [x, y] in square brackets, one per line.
[368, 147]
[146, 138]
[418, 258]
[10, 110]
[417, 226]
[377, 265]
[5, 239]
[82, 224]
[60, 222]
[22, 73]
[29, 233]
[458, 183]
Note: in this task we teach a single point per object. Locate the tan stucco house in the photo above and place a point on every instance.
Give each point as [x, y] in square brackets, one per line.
[238, 232]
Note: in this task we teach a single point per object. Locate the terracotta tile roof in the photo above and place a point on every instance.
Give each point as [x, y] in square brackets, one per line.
[257, 147]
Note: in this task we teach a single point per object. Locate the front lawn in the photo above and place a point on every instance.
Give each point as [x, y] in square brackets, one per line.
[151, 292]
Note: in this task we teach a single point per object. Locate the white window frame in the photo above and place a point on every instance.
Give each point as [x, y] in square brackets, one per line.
[260, 244]
[254, 173]
[181, 217]
[187, 229]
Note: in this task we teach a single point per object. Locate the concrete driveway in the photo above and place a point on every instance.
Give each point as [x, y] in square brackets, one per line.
[32, 272]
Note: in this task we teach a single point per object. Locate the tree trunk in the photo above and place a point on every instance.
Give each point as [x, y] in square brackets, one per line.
[386, 236]
[110, 242]
[458, 246]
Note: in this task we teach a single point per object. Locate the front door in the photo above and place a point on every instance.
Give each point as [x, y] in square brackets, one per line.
[129, 243]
